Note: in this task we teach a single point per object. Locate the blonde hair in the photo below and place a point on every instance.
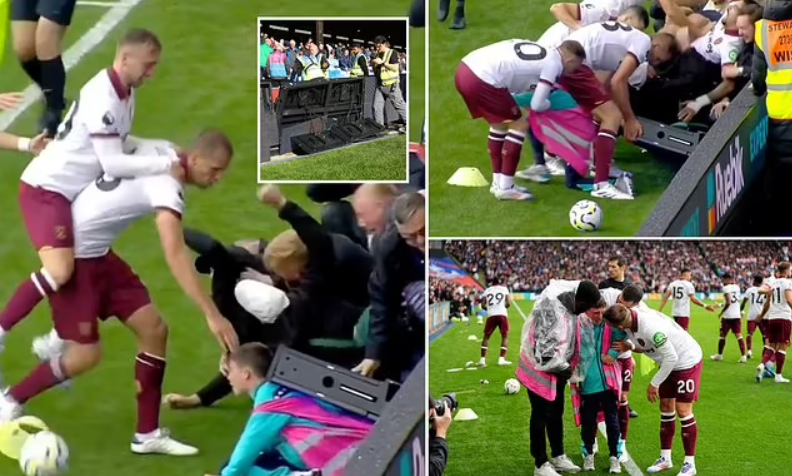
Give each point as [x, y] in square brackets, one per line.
[285, 250]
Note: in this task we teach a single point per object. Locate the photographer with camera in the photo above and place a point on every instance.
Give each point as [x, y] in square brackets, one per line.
[440, 417]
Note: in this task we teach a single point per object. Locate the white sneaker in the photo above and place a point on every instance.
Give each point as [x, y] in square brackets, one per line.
[513, 194]
[10, 410]
[546, 470]
[760, 373]
[503, 362]
[624, 456]
[780, 379]
[588, 463]
[562, 464]
[687, 470]
[749, 354]
[162, 444]
[742, 360]
[482, 362]
[661, 464]
[615, 465]
[535, 173]
[555, 165]
[607, 190]
[718, 357]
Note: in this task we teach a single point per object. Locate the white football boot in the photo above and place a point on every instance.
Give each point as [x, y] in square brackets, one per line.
[743, 359]
[546, 470]
[503, 362]
[608, 190]
[749, 354]
[161, 443]
[780, 379]
[535, 173]
[615, 465]
[10, 410]
[688, 470]
[562, 464]
[661, 464]
[514, 193]
[716, 357]
[760, 369]
[482, 362]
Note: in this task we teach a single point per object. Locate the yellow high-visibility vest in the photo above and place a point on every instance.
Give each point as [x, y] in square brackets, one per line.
[356, 70]
[388, 76]
[311, 69]
[775, 39]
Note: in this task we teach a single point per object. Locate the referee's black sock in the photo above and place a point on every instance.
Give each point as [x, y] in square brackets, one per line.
[53, 83]
[32, 68]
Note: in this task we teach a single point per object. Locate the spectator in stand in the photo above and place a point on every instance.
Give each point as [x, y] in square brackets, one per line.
[264, 53]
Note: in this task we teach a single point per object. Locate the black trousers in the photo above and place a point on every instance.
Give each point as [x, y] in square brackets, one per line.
[590, 408]
[547, 419]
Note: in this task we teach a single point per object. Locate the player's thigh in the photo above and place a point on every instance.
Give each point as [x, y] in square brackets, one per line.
[47, 217]
[76, 306]
[583, 85]
[503, 326]
[59, 12]
[490, 325]
[126, 297]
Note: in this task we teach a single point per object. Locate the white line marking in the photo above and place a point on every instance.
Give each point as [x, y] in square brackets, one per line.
[90, 40]
[630, 466]
[519, 309]
[89, 3]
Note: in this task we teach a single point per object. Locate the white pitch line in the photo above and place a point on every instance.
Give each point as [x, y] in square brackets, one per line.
[90, 40]
[630, 466]
[89, 3]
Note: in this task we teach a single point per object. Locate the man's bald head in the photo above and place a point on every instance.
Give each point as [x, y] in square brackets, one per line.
[372, 203]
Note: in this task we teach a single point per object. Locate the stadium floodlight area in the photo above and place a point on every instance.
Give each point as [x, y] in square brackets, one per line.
[713, 192]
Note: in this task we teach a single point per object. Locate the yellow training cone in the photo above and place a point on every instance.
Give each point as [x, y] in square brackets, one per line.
[14, 434]
[465, 414]
[468, 177]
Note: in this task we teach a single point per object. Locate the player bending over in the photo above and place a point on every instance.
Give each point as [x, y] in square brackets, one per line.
[682, 292]
[778, 312]
[757, 301]
[105, 286]
[489, 76]
[93, 139]
[496, 300]
[730, 317]
[676, 382]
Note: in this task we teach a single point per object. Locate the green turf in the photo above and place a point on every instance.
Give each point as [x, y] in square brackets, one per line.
[383, 160]
[458, 141]
[741, 424]
[204, 80]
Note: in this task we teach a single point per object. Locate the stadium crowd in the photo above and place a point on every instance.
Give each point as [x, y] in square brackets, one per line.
[528, 266]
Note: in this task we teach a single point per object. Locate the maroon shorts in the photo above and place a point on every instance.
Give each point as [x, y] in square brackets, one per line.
[732, 325]
[47, 216]
[628, 370]
[585, 87]
[483, 100]
[778, 331]
[100, 288]
[496, 322]
[683, 385]
[751, 326]
[684, 322]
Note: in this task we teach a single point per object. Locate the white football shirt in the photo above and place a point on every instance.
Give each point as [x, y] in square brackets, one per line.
[106, 208]
[665, 342]
[732, 294]
[591, 11]
[608, 43]
[717, 46]
[69, 163]
[779, 307]
[756, 302]
[517, 65]
[681, 291]
[495, 297]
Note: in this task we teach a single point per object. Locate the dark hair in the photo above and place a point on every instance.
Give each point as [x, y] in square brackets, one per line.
[754, 10]
[727, 276]
[588, 296]
[641, 12]
[574, 48]
[632, 293]
[141, 36]
[684, 270]
[619, 261]
[758, 279]
[254, 356]
[381, 40]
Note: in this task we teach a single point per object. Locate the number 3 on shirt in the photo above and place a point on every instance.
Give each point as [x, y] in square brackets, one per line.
[615, 26]
[66, 126]
[528, 51]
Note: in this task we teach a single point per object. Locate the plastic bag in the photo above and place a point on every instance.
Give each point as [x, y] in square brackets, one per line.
[549, 336]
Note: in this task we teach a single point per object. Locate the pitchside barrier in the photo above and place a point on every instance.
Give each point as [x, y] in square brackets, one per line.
[439, 313]
[711, 193]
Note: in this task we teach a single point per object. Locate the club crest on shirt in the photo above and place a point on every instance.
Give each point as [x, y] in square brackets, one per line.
[108, 119]
[60, 232]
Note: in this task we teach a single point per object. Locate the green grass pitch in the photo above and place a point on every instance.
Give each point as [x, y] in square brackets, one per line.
[458, 141]
[742, 425]
[206, 79]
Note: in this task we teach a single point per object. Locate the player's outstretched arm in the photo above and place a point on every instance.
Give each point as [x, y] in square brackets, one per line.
[620, 88]
[180, 263]
[788, 296]
[115, 163]
[23, 144]
[676, 14]
[700, 303]
[765, 308]
[567, 13]
[666, 296]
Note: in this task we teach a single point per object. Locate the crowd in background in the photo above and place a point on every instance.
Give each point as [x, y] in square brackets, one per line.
[528, 266]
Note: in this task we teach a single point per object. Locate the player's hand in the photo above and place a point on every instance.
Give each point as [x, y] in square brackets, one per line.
[650, 71]
[651, 393]
[11, 100]
[607, 359]
[633, 130]
[272, 196]
[224, 332]
[224, 364]
[621, 346]
[367, 367]
[717, 110]
[38, 143]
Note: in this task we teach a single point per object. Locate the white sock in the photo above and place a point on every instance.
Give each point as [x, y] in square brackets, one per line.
[665, 454]
[691, 460]
[506, 181]
[147, 436]
[496, 179]
[2, 333]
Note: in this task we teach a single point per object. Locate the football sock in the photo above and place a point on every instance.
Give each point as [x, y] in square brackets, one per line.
[484, 350]
[503, 350]
[665, 454]
[149, 374]
[624, 419]
[689, 434]
[33, 69]
[604, 147]
[749, 341]
[53, 83]
[506, 181]
[667, 430]
[26, 297]
[721, 345]
[512, 149]
[495, 146]
[538, 148]
[741, 343]
[767, 353]
[780, 359]
[45, 376]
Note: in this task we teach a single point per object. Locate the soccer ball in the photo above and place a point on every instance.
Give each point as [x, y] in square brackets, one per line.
[585, 215]
[511, 386]
[44, 454]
